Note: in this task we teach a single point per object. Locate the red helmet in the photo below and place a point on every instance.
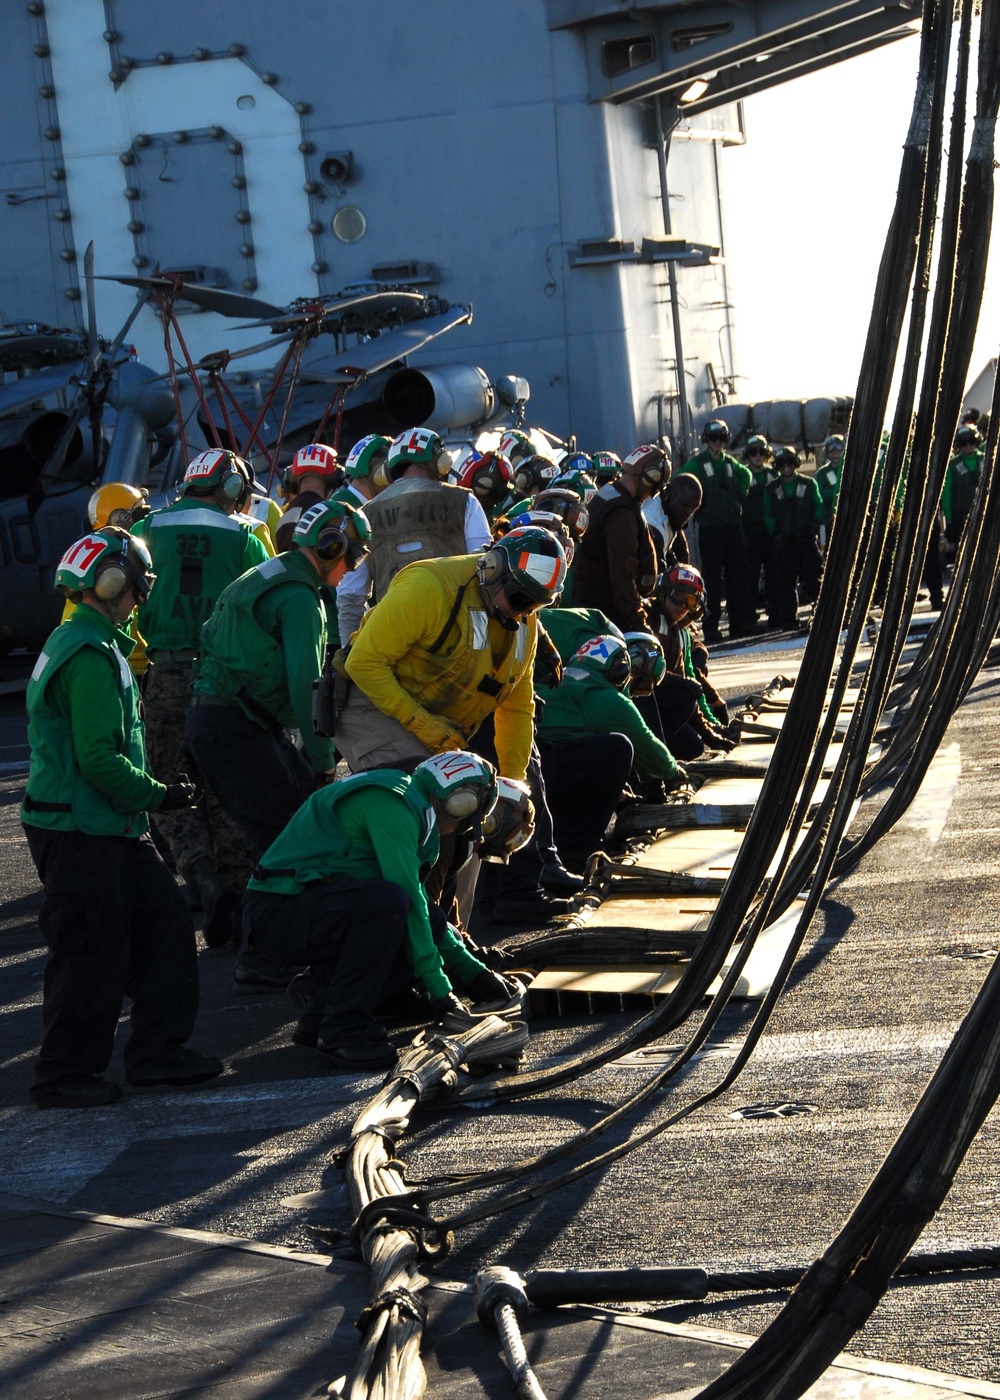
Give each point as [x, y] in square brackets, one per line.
[487, 475]
[315, 459]
[683, 581]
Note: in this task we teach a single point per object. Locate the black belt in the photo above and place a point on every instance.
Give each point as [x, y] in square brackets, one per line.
[176, 658]
[213, 700]
[30, 805]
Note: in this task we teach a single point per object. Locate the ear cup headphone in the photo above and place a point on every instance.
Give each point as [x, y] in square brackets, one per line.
[654, 474]
[235, 482]
[115, 577]
[464, 802]
[380, 476]
[111, 581]
[492, 566]
[331, 545]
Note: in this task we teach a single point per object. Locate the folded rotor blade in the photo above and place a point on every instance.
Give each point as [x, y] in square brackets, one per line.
[356, 361]
[381, 302]
[209, 298]
[39, 385]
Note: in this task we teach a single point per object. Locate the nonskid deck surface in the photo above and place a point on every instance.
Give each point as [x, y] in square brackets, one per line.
[108, 1306]
[889, 966]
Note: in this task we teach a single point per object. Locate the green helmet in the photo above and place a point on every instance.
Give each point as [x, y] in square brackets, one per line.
[366, 455]
[417, 447]
[516, 446]
[757, 445]
[606, 655]
[109, 561]
[579, 481]
[217, 469]
[461, 785]
[607, 466]
[528, 566]
[334, 529]
[648, 664]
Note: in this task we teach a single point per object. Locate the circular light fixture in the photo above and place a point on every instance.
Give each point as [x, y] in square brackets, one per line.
[349, 224]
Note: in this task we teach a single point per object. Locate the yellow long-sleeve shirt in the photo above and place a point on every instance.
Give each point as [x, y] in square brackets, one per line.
[441, 681]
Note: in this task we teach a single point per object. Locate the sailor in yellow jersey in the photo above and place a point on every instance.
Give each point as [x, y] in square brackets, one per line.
[452, 641]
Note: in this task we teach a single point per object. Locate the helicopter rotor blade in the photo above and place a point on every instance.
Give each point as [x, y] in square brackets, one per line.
[57, 457]
[93, 344]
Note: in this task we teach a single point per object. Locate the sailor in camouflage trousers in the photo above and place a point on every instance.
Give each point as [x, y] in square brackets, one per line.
[204, 832]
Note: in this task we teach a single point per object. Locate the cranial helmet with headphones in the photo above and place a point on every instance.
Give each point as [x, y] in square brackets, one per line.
[648, 664]
[488, 476]
[417, 447]
[684, 583]
[533, 473]
[715, 428]
[461, 786]
[528, 566]
[607, 465]
[786, 456]
[516, 446]
[107, 562]
[546, 520]
[366, 456]
[315, 459]
[510, 824]
[968, 437]
[334, 530]
[565, 502]
[607, 656]
[117, 503]
[577, 481]
[757, 445]
[217, 469]
[650, 464]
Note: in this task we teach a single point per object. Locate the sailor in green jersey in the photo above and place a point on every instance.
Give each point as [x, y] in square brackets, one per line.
[828, 480]
[760, 551]
[341, 891]
[198, 545]
[793, 513]
[961, 481]
[364, 468]
[590, 736]
[261, 651]
[724, 484]
[113, 917]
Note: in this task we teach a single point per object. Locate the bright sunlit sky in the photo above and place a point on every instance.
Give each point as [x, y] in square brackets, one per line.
[807, 204]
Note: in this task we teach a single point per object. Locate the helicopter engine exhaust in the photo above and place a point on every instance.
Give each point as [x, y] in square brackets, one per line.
[442, 397]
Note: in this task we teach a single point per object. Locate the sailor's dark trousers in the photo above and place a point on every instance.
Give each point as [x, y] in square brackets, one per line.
[350, 932]
[116, 925]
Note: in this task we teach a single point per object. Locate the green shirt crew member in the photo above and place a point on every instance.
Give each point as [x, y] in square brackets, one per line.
[725, 484]
[261, 651]
[198, 546]
[341, 889]
[960, 482]
[793, 513]
[828, 480]
[590, 736]
[112, 917]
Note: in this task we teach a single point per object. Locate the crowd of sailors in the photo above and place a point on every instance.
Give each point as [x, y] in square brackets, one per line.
[337, 728]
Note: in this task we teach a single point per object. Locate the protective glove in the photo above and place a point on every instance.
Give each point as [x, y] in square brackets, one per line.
[438, 735]
[452, 1011]
[715, 739]
[490, 986]
[679, 780]
[183, 793]
[450, 1005]
[495, 958]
